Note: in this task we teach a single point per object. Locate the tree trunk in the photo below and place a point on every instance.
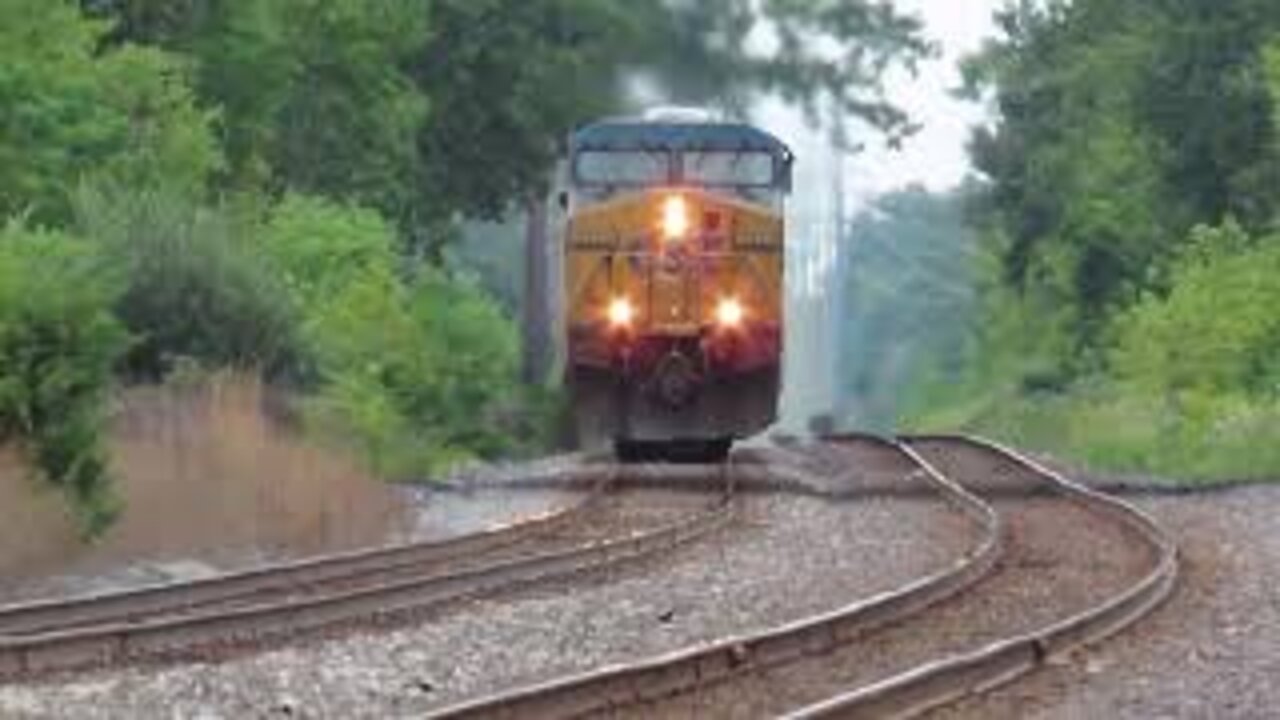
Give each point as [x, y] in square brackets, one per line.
[536, 350]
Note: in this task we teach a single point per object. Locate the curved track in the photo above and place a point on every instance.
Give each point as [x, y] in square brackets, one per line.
[274, 603]
[953, 676]
[120, 607]
[1028, 589]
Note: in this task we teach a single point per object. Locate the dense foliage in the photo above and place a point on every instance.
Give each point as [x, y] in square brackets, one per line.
[71, 112]
[416, 369]
[427, 110]
[1120, 128]
[1129, 314]
[193, 285]
[58, 342]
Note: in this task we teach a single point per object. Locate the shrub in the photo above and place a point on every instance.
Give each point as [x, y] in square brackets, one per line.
[474, 357]
[1194, 383]
[418, 371]
[320, 247]
[58, 343]
[194, 287]
[1217, 329]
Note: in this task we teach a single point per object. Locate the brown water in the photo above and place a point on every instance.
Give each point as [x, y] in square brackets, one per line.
[208, 473]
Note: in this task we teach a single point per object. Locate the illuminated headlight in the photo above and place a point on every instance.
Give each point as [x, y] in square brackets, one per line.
[675, 218]
[621, 312]
[729, 313]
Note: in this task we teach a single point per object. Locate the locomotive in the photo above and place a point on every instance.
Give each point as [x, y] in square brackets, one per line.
[673, 283]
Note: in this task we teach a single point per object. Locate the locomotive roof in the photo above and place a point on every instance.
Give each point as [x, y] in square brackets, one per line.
[679, 136]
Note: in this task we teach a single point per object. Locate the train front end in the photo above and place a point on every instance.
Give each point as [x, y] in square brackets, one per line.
[674, 285]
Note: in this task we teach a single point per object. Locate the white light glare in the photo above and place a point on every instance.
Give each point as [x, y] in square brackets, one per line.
[675, 218]
[729, 313]
[621, 312]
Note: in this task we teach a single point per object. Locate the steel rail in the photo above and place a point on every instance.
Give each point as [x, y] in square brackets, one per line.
[631, 683]
[183, 636]
[47, 616]
[950, 679]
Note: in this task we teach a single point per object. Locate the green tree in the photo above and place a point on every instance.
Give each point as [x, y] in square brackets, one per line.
[318, 248]
[347, 126]
[415, 367]
[314, 94]
[58, 343]
[509, 80]
[1223, 294]
[126, 115]
[1271, 71]
[1119, 128]
[417, 375]
[1130, 209]
[194, 285]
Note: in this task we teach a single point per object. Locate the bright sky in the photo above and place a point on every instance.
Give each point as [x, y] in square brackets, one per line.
[936, 155]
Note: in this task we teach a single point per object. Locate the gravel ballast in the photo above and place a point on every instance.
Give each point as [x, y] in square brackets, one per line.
[786, 557]
[1212, 651]
[1059, 558]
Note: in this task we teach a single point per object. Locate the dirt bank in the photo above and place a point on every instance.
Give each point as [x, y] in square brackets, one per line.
[209, 472]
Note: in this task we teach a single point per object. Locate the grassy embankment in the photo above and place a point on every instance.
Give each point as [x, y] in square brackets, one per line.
[1104, 431]
[211, 471]
[1189, 387]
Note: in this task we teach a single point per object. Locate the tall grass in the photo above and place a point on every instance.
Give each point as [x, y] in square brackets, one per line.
[1199, 440]
[36, 528]
[210, 469]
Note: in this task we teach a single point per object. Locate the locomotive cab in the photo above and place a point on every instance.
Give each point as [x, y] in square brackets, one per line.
[674, 250]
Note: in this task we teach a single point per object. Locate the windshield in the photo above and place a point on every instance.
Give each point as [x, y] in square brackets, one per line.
[728, 168]
[623, 168]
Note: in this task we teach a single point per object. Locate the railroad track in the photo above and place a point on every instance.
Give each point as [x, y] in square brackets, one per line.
[1055, 566]
[42, 617]
[232, 612]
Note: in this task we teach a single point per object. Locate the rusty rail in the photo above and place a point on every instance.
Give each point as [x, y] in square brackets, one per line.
[43, 617]
[950, 679]
[184, 635]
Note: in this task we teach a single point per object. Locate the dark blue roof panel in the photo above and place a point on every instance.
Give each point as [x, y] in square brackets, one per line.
[640, 135]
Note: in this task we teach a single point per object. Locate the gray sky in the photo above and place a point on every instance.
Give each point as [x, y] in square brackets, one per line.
[936, 155]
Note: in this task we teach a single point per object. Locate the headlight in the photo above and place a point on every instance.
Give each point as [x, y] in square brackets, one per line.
[621, 312]
[729, 313]
[675, 218]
